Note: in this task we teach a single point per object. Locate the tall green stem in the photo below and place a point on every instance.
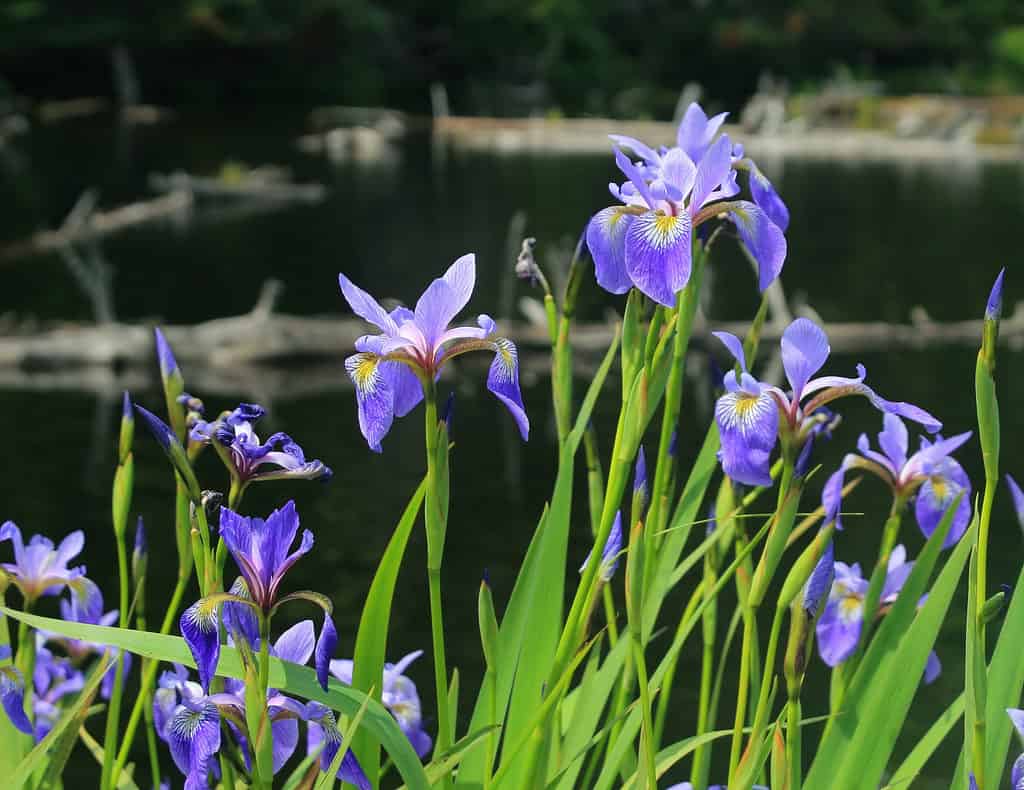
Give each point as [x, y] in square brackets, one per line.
[647, 736]
[114, 708]
[435, 515]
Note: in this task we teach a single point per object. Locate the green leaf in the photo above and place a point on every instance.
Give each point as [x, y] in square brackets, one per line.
[374, 622]
[1005, 681]
[904, 776]
[53, 750]
[855, 749]
[284, 675]
[124, 778]
[586, 703]
[443, 764]
[306, 772]
[535, 606]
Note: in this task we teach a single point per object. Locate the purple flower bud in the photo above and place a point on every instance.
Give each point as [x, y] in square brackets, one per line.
[168, 364]
[126, 407]
[141, 547]
[994, 308]
[673, 444]
[640, 473]
[820, 581]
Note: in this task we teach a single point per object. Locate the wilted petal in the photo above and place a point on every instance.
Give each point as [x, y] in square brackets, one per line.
[325, 646]
[12, 696]
[763, 238]
[606, 240]
[374, 398]
[194, 737]
[946, 480]
[199, 627]
[804, 350]
[503, 381]
[768, 199]
[839, 629]
[748, 426]
[658, 255]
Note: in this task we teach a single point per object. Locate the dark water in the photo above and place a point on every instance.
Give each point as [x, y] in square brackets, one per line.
[866, 243]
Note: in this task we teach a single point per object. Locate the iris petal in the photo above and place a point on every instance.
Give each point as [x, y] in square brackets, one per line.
[804, 350]
[503, 381]
[768, 199]
[12, 696]
[838, 630]
[194, 737]
[946, 480]
[374, 398]
[894, 440]
[748, 426]
[325, 646]
[606, 240]
[763, 239]
[199, 627]
[658, 254]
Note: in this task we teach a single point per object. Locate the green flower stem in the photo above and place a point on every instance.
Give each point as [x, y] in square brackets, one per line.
[794, 746]
[873, 597]
[561, 362]
[147, 708]
[709, 623]
[114, 706]
[435, 515]
[648, 747]
[749, 635]
[761, 712]
[670, 671]
[686, 310]
[148, 678]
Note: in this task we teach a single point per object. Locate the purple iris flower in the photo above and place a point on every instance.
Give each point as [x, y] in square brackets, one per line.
[262, 550]
[820, 582]
[12, 693]
[611, 551]
[390, 370]
[841, 622]
[646, 242]
[1017, 772]
[179, 701]
[53, 678]
[750, 414]
[931, 473]
[234, 430]
[399, 695]
[40, 568]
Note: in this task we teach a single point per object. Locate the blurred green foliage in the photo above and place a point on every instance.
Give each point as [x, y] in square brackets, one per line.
[504, 56]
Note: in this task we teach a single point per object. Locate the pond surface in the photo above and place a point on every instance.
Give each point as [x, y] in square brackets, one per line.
[866, 243]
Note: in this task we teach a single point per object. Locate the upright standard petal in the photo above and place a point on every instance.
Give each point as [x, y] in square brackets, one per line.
[199, 626]
[763, 238]
[365, 306]
[444, 299]
[325, 646]
[658, 254]
[713, 168]
[239, 619]
[503, 381]
[804, 350]
[374, 399]
[696, 130]
[735, 346]
[832, 496]
[894, 440]
[606, 240]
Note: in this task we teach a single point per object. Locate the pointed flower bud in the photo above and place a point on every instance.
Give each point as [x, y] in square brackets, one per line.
[994, 308]
[818, 585]
[172, 448]
[140, 552]
[610, 554]
[127, 429]
[639, 484]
